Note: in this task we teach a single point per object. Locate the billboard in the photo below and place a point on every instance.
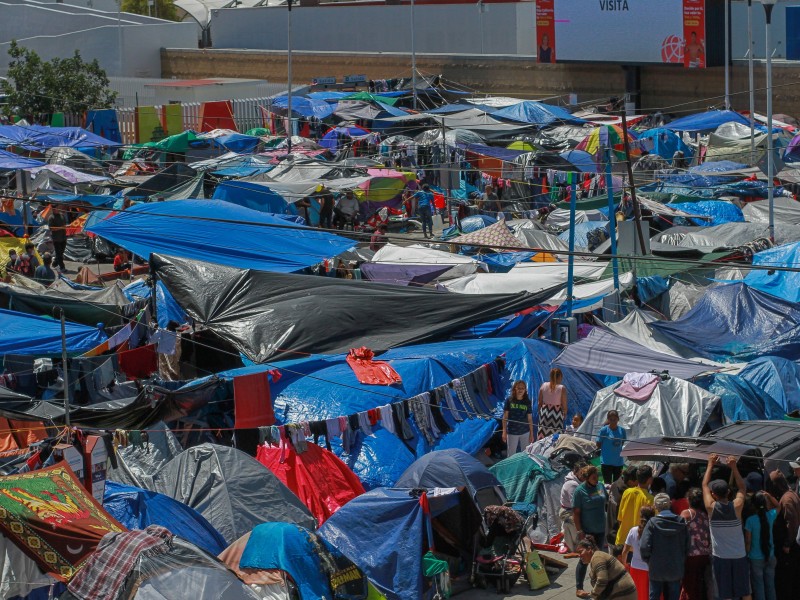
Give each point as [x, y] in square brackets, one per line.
[622, 31]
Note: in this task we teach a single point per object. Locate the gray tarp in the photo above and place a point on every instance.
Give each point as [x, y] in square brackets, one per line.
[139, 463]
[635, 327]
[605, 353]
[786, 210]
[676, 408]
[232, 490]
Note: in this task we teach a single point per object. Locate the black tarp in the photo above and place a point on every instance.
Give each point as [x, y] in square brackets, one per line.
[277, 315]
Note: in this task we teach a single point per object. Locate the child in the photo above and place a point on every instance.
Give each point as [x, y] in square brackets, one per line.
[639, 571]
[610, 440]
[576, 422]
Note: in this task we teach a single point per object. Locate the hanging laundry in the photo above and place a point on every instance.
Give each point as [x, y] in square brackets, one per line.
[638, 386]
[369, 371]
[252, 401]
[139, 363]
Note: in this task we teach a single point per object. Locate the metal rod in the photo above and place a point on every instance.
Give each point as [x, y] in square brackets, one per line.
[413, 58]
[612, 217]
[727, 55]
[751, 83]
[573, 200]
[289, 76]
[65, 367]
[637, 210]
[770, 141]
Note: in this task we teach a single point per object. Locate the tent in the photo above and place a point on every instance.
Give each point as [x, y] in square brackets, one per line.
[332, 140]
[782, 284]
[522, 477]
[11, 162]
[707, 121]
[665, 143]
[454, 468]
[385, 533]
[740, 399]
[778, 379]
[420, 256]
[21, 333]
[305, 107]
[536, 113]
[316, 476]
[219, 232]
[495, 235]
[676, 408]
[136, 508]
[230, 489]
[785, 211]
[735, 322]
[321, 314]
[252, 195]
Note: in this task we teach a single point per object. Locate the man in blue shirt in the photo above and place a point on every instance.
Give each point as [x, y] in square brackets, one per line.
[425, 210]
[610, 441]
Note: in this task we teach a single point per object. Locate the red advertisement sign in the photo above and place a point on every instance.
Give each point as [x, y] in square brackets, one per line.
[545, 31]
[694, 34]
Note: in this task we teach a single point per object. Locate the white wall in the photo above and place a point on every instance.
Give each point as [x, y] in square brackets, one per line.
[452, 28]
[739, 30]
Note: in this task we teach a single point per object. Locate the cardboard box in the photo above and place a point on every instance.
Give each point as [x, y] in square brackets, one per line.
[95, 460]
[69, 454]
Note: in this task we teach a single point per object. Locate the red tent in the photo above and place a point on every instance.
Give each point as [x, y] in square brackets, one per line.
[318, 477]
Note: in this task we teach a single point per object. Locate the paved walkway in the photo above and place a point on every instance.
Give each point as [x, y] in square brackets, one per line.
[562, 587]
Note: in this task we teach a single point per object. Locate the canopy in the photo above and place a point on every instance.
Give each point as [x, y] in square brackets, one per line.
[316, 476]
[10, 161]
[783, 284]
[321, 314]
[536, 113]
[331, 139]
[37, 137]
[609, 137]
[608, 354]
[735, 322]
[676, 408]
[496, 235]
[581, 159]
[219, 232]
[230, 489]
[305, 107]
[41, 336]
[707, 121]
[136, 508]
[665, 143]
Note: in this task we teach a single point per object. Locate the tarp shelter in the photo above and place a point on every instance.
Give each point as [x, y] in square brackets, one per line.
[605, 353]
[219, 232]
[316, 476]
[581, 159]
[20, 574]
[385, 533]
[421, 256]
[21, 333]
[321, 314]
[676, 408]
[250, 194]
[780, 283]
[636, 327]
[496, 235]
[235, 494]
[777, 378]
[536, 113]
[454, 468]
[305, 107]
[166, 307]
[136, 508]
[11, 162]
[735, 322]
[333, 139]
[522, 477]
[707, 121]
[740, 399]
[786, 212]
[665, 143]
[732, 142]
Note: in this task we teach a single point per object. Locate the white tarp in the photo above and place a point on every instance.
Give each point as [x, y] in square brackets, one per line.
[533, 278]
[417, 254]
[676, 408]
[583, 269]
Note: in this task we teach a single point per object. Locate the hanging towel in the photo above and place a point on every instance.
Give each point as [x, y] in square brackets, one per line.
[139, 363]
[387, 418]
[638, 386]
[251, 401]
[371, 372]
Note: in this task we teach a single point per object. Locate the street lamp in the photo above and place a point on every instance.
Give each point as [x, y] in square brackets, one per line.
[751, 82]
[768, 5]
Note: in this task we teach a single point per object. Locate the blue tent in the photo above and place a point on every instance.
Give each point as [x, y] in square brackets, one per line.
[583, 160]
[136, 508]
[22, 333]
[304, 392]
[783, 284]
[10, 161]
[493, 151]
[219, 232]
[238, 142]
[166, 307]
[741, 400]
[735, 322]
[536, 113]
[384, 532]
[305, 107]
[255, 196]
[74, 137]
[777, 378]
[720, 212]
[707, 121]
[665, 143]
[332, 139]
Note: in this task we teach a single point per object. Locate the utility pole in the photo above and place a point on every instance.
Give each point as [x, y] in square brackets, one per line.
[637, 211]
[65, 367]
[289, 77]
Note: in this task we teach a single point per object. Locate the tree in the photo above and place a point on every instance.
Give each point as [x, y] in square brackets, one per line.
[163, 9]
[36, 88]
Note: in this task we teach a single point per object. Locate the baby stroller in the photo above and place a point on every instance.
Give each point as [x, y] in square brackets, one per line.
[499, 556]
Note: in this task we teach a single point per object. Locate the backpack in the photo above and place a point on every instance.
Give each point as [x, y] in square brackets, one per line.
[24, 266]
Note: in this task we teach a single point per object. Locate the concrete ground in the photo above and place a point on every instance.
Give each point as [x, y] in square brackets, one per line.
[562, 587]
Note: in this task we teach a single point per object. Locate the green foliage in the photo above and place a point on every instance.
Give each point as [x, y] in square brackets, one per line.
[36, 88]
[163, 9]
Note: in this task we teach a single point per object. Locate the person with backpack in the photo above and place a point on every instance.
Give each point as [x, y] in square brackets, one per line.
[27, 261]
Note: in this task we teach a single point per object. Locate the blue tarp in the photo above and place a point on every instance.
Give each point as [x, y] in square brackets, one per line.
[650, 287]
[328, 96]
[582, 231]
[744, 189]
[255, 196]
[380, 460]
[783, 284]
[720, 212]
[493, 151]
[503, 262]
[219, 232]
[104, 123]
[95, 200]
[10, 161]
[536, 113]
[166, 307]
[777, 378]
[718, 166]
[583, 160]
[73, 137]
[136, 508]
[238, 142]
[741, 400]
[331, 140]
[305, 107]
[707, 121]
[22, 333]
[737, 323]
[665, 143]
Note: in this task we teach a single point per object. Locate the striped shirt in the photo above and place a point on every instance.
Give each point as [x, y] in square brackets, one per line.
[727, 538]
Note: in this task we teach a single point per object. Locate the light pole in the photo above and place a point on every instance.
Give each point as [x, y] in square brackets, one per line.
[751, 82]
[768, 5]
[289, 76]
[727, 54]
[413, 58]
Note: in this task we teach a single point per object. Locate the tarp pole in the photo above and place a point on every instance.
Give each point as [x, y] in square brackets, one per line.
[65, 367]
[612, 220]
[751, 84]
[289, 76]
[413, 58]
[571, 262]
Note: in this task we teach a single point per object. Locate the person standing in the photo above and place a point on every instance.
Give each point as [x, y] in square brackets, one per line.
[610, 440]
[728, 555]
[626, 481]
[760, 548]
[44, 274]
[787, 523]
[664, 546]
[425, 210]
[489, 200]
[696, 583]
[610, 580]
[552, 405]
[633, 499]
[326, 202]
[571, 482]
[517, 419]
[638, 569]
[58, 230]
[589, 515]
